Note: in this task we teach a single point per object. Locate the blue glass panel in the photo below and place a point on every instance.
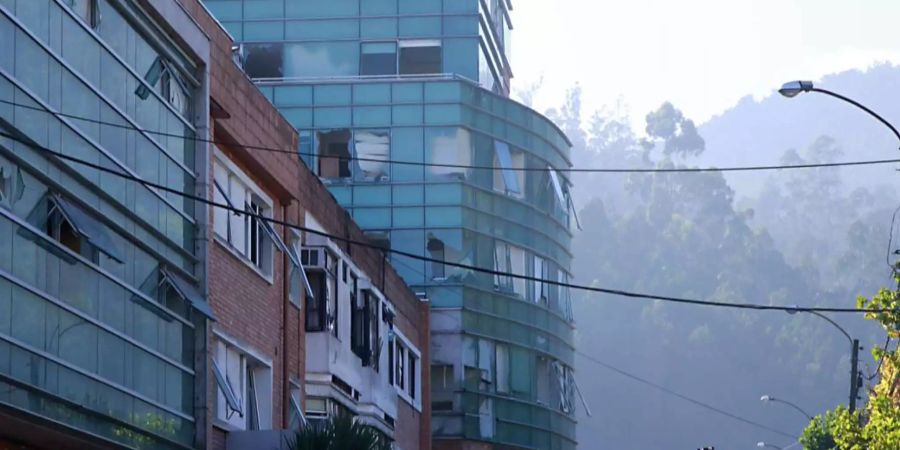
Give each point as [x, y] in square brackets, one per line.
[443, 114]
[408, 115]
[410, 241]
[409, 217]
[372, 217]
[408, 195]
[264, 9]
[372, 116]
[225, 10]
[407, 93]
[318, 59]
[371, 195]
[460, 25]
[444, 216]
[343, 194]
[442, 92]
[322, 29]
[293, 95]
[263, 31]
[327, 8]
[378, 28]
[461, 57]
[461, 6]
[235, 29]
[378, 7]
[407, 146]
[329, 95]
[443, 194]
[332, 118]
[420, 27]
[421, 6]
[372, 94]
[298, 117]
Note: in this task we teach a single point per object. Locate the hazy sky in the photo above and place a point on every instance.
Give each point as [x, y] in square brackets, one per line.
[703, 55]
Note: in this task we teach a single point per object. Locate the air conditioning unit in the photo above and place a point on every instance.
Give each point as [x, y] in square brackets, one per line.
[314, 258]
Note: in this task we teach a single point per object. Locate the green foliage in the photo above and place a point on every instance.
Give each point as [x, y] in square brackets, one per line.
[339, 433]
[878, 428]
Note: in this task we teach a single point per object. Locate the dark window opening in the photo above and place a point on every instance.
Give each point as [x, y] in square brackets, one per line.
[378, 58]
[412, 375]
[379, 239]
[390, 363]
[373, 343]
[263, 60]
[436, 251]
[316, 309]
[420, 57]
[334, 154]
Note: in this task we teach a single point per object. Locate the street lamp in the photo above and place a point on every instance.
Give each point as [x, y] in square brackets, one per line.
[762, 444]
[855, 377]
[769, 398]
[793, 88]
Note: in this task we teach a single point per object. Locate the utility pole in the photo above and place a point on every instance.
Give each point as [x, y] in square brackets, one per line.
[854, 375]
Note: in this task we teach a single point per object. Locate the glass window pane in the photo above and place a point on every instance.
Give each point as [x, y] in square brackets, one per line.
[451, 147]
[407, 147]
[264, 60]
[373, 150]
[378, 59]
[321, 59]
[420, 57]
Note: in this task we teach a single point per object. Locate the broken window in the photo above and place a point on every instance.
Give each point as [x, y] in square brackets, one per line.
[420, 57]
[334, 153]
[502, 372]
[162, 76]
[448, 153]
[12, 186]
[87, 10]
[378, 58]
[538, 295]
[263, 60]
[373, 151]
[379, 239]
[510, 179]
[74, 229]
[436, 252]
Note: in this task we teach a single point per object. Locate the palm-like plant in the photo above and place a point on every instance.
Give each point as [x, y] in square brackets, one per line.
[339, 433]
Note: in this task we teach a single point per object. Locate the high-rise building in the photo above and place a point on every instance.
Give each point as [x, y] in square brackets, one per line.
[403, 110]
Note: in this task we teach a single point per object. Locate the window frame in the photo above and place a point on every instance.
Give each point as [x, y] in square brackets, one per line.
[406, 380]
[419, 43]
[255, 385]
[254, 199]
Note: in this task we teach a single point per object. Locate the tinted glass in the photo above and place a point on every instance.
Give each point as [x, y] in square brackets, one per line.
[420, 60]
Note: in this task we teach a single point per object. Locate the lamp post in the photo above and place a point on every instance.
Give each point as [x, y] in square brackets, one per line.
[769, 398]
[793, 88]
[855, 377]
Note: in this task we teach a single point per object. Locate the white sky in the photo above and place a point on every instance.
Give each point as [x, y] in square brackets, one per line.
[703, 55]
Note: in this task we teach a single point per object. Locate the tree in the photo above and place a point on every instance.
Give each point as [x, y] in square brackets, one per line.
[878, 427]
[341, 432]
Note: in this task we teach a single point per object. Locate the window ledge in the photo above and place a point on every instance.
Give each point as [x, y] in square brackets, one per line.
[268, 278]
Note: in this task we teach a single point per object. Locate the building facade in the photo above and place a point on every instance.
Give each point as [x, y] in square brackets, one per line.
[134, 317]
[101, 278]
[402, 110]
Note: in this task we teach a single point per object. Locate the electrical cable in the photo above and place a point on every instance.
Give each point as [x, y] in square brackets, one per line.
[617, 292]
[465, 166]
[682, 396]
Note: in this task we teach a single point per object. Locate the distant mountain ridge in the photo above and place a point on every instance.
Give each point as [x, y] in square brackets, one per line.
[759, 132]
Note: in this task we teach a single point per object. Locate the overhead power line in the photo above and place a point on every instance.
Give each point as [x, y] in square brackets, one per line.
[681, 396]
[617, 292]
[466, 166]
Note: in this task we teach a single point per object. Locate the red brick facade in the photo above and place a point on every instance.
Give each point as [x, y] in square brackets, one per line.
[247, 307]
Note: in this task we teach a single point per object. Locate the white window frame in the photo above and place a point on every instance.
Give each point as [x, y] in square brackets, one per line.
[401, 386]
[238, 374]
[233, 230]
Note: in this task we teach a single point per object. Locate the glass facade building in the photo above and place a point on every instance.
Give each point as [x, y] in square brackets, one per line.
[403, 111]
[98, 291]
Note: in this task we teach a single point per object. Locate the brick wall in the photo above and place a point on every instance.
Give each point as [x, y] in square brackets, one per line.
[246, 306]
